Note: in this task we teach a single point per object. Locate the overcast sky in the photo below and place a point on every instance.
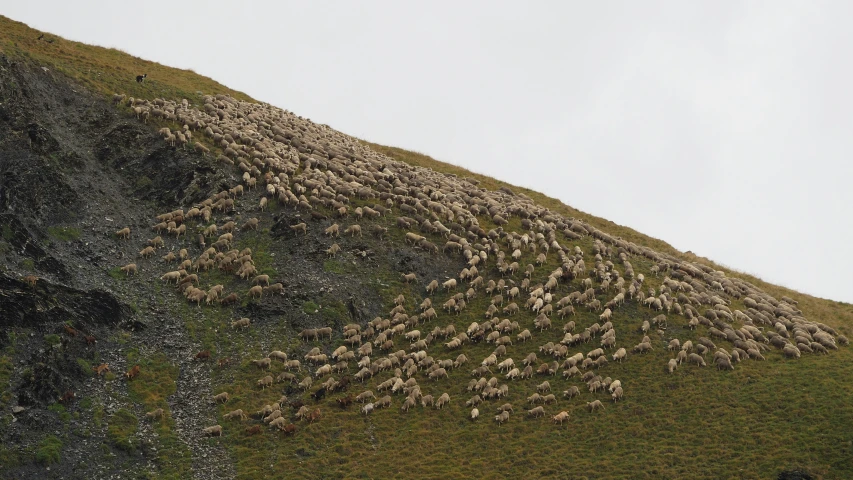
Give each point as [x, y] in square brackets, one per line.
[723, 128]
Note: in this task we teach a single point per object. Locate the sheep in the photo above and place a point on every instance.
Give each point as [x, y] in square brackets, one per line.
[155, 414]
[266, 382]
[146, 252]
[672, 365]
[442, 400]
[241, 323]
[262, 363]
[723, 363]
[544, 387]
[616, 394]
[129, 268]
[364, 396]
[353, 230]
[450, 284]
[214, 430]
[502, 417]
[124, 233]
[536, 412]
[791, 351]
[697, 359]
[383, 402]
[560, 417]
[275, 414]
[595, 405]
[333, 230]
[475, 413]
[368, 408]
[300, 227]
[409, 277]
[221, 397]
[333, 250]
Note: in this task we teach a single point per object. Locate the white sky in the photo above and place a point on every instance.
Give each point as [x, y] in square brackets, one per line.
[723, 127]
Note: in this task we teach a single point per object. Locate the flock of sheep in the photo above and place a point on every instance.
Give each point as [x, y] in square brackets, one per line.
[312, 168]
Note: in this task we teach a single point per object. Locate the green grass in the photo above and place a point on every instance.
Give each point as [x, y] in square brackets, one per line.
[49, 450]
[98, 415]
[52, 339]
[121, 430]
[310, 308]
[65, 234]
[106, 70]
[155, 383]
[7, 232]
[60, 410]
[116, 273]
[85, 367]
[6, 369]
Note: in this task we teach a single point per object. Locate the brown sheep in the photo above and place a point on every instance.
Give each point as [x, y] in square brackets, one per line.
[214, 430]
[300, 227]
[124, 233]
[251, 224]
[155, 414]
[129, 268]
[239, 414]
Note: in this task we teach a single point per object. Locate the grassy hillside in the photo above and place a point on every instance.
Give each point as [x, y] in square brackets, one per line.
[756, 421]
[105, 70]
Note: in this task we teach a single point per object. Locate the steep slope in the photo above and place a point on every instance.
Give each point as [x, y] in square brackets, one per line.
[75, 169]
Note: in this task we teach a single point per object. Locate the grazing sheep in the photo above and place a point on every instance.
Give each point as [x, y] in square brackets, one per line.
[791, 351]
[536, 412]
[697, 359]
[236, 414]
[364, 396]
[560, 417]
[617, 394]
[155, 414]
[300, 227]
[368, 408]
[333, 230]
[572, 392]
[129, 268]
[242, 323]
[474, 414]
[124, 233]
[262, 363]
[672, 365]
[595, 405]
[442, 400]
[266, 382]
[502, 417]
[214, 430]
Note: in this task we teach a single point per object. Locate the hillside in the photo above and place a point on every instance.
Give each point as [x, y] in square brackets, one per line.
[298, 228]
